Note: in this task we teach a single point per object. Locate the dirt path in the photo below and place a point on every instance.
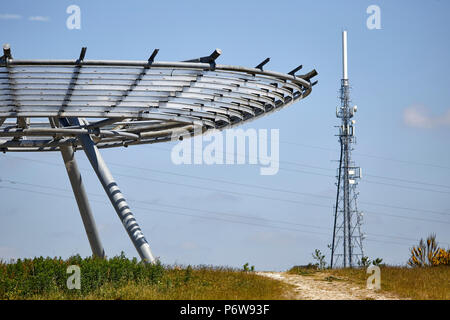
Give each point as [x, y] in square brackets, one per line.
[320, 286]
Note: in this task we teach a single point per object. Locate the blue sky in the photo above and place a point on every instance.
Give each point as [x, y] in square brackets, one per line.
[399, 77]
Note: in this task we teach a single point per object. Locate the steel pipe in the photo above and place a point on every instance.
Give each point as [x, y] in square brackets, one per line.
[115, 196]
[79, 192]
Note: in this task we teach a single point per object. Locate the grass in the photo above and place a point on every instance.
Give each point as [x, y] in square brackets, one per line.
[307, 270]
[121, 278]
[427, 283]
[204, 283]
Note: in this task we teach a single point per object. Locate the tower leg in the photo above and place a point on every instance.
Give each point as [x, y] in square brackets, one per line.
[82, 201]
[116, 197]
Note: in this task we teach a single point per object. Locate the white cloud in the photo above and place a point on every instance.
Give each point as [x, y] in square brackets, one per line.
[10, 16]
[419, 117]
[39, 18]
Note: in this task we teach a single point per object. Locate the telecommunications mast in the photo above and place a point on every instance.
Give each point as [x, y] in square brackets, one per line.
[347, 247]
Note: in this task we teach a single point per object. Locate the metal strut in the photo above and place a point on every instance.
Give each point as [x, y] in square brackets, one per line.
[336, 208]
[82, 201]
[115, 195]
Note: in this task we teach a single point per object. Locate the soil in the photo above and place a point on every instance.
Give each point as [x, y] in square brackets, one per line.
[323, 286]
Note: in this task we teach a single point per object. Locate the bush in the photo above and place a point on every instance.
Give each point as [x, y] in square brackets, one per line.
[320, 258]
[30, 277]
[247, 269]
[442, 258]
[427, 253]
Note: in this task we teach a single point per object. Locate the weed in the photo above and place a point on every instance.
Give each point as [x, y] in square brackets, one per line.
[247, 269]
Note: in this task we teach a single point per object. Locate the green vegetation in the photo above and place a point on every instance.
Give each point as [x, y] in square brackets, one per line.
[47, 276]
[247, 269]
[320, 258]
[365, 262]
[121, 278]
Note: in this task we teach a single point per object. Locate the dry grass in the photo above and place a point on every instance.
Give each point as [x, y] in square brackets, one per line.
[204, 284]
[432, 283]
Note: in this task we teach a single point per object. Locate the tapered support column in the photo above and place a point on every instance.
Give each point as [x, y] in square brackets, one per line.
[82, 201]
[115, 196]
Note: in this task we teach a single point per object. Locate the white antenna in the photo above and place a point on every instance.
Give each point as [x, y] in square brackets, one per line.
[344, 55]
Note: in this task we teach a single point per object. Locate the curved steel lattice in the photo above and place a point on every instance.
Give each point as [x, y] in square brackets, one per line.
[123, 103]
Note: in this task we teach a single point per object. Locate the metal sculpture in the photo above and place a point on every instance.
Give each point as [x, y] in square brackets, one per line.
[66, 105]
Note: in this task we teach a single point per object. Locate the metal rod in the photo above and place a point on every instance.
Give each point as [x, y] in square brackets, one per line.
[309, 75]
[82, 54]
[261, 65]
[115, 196]
[152, 57]
[52, 131]
[7, 51]
[79, 192]
[208, 59]
[292, 72]
[216, 53]
[105, 122]
[336, 208]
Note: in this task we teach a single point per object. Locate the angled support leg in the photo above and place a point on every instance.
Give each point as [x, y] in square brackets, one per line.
[115, 196]
[82, 201]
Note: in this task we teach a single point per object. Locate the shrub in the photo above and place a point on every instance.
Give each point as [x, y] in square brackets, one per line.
[247, 269]
[364, 262]
[442, 258]
[377, 262]
[427, 253]
[30, 277]
[320, 258]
